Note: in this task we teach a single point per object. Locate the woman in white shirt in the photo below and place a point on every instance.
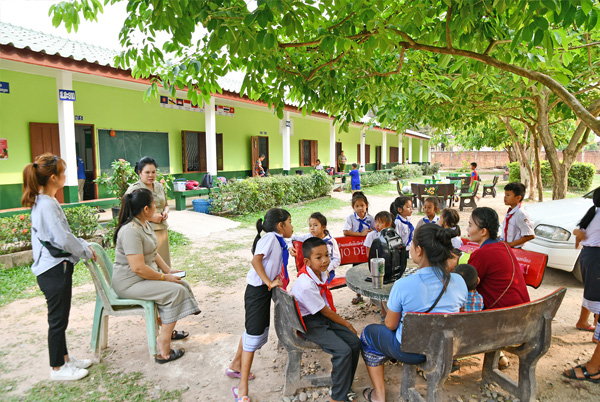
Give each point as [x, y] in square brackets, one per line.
[55, 251]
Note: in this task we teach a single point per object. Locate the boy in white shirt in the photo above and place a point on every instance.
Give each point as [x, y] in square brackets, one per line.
[383, 220]
[517, 228]
[324, 326]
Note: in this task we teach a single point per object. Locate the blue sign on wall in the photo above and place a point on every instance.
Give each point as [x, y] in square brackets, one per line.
[4, 87]
[66, 95]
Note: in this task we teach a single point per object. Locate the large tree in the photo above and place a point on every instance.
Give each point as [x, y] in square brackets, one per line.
[335, 55]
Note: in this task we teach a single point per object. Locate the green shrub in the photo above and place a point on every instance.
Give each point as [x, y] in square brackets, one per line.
[581, 176]
[15, 231]
[370, 180]
[429, 170]
[258, 194]
[406, 171]
[546, 173]
[514, 172]
[465, 168]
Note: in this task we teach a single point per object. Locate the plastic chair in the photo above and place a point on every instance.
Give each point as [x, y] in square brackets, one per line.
[468, 199]
[108, 303]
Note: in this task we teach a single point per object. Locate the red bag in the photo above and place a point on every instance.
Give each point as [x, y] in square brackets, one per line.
[191, 185]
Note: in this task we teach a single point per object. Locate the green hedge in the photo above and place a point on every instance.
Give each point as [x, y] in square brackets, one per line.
[406, 171]
[370, 180]
[580, 175]
[258, 194]
[15, 231]
[430, 170]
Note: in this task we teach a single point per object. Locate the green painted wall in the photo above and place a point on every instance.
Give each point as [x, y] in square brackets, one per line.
[309, 129]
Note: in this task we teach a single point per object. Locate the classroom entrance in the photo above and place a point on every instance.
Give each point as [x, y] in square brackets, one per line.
[44, 138]
[338, 152]
[378, 157]
[259, 145]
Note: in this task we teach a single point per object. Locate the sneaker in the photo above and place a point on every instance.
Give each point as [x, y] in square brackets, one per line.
[67, 373]
[80, 364]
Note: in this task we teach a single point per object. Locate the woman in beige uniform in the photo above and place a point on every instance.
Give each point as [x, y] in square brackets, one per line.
[146, 170]
[140, 273]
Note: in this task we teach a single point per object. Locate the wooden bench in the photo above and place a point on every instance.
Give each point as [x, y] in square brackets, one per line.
[490, 188]
[180, 196]
[525, 330]
[352, 251]
[467, 200]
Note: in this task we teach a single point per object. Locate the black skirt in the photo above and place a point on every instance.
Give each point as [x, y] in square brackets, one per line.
[589, 259]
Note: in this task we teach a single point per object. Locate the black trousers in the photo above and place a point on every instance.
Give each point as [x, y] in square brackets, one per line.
[342, 344]
[56, 284]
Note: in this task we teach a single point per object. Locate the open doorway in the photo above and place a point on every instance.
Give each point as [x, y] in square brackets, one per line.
[338, 152]
[84, 147]
[378, 157]
[260, 146]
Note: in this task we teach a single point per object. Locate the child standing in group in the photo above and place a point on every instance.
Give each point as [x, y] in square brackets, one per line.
[474, 299]
[359, 223]
[324, 326]
[317, 225]
[449, 218]
[431, 207]
[402, 209]
[517, 228]
[269, 270]
[355, 178]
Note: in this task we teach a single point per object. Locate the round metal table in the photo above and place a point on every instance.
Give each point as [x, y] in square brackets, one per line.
[355, 280]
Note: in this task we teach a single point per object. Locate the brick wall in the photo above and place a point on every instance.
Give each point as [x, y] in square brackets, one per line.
[493, 159]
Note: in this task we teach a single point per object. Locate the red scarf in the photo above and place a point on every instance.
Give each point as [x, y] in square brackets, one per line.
[322, 288]
[507, 219]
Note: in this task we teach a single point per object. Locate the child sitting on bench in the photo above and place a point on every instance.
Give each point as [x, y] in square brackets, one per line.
[474, 300]
[324, 326]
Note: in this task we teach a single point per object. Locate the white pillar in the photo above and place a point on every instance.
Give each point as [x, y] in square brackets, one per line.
[429, 152]
[400, 155]
[362, 147]
[286, 141]
[420, 150]
[410, 149]
[332, 158]
[66, 129]
[210, 126]
[384, 150]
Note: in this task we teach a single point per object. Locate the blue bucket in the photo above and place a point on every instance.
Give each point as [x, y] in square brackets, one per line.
[202, 205]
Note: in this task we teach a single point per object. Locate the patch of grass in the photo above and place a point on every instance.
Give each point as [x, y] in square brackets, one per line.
[300, 213]
[216, 271]
[230, 246]
[381, 190]
[100, 384]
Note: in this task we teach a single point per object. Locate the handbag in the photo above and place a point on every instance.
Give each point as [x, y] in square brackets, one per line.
[54, 251]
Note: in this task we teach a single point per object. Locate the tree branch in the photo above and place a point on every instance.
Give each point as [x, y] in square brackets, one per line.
[396, 71]
[573, 146]
[341, 22]
[330, 62]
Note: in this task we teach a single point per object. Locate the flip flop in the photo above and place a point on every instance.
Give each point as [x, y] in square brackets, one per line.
[367, 394]
[236, 374]
[586, 376]
[174, 354]
[591, 328]
[234, 391]
[179, 335]
[358, 299]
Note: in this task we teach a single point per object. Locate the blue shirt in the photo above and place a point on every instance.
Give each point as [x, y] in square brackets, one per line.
[80, 169]
[417, 293]
[355, 176]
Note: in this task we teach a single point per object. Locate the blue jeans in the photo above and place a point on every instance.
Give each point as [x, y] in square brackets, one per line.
[379, 344]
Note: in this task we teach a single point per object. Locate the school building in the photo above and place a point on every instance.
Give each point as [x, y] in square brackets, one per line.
[66, 97]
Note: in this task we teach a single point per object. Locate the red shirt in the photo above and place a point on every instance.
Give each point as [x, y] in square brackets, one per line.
[494, 268]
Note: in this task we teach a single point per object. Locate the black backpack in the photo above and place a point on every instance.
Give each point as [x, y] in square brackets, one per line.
[207, 181]
[389, 246]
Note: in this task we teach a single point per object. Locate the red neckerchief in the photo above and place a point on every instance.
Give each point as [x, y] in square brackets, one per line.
[322, 288]
[507, 219]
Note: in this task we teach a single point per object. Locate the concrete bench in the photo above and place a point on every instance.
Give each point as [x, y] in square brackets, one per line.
[180, 196]
[525, 330]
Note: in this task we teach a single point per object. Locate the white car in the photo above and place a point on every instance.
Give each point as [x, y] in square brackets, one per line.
[554, 222]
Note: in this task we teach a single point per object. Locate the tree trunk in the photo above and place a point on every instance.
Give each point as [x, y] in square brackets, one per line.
[512, 154]
[538, 166]
[522, 157]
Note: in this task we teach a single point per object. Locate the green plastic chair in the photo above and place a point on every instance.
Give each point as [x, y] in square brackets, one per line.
[108, 303]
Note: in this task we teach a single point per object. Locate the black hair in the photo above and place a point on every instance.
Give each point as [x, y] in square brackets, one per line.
[273, 217]
[385, 217]
[359, 196]
[141, 164]
[469, 274]
[486, 218]
[398, 203]
[436, 243]
[354, 165]
[517, 188]
[309, 244]
[262, 156]
[434, 200]
[132, 204]
[318, 160]
[457, 252]
[322, 220]
[474, 164]
[451, 219]
[589, 215]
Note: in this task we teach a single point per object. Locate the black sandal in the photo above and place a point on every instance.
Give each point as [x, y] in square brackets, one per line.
[586, 376]
[173, 355]
[179, 335]
[367, 395]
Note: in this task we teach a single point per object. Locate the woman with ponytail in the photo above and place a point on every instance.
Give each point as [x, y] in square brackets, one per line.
[269, 270]
[55, 251]
[146, 170]
[588, 235]
[431, 289]
[140, 272]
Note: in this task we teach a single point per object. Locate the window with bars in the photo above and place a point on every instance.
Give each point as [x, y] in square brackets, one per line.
[194, 151]
[308, 152]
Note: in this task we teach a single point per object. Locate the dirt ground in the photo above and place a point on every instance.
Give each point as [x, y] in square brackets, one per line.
[215, 334]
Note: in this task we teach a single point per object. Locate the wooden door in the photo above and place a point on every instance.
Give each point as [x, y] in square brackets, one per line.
[367, 155]
[44, 138]
[338, 152]
[259, 145]
[393, 154]
[378, 157]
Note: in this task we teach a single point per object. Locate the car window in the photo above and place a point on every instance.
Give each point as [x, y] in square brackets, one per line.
[589, 195]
